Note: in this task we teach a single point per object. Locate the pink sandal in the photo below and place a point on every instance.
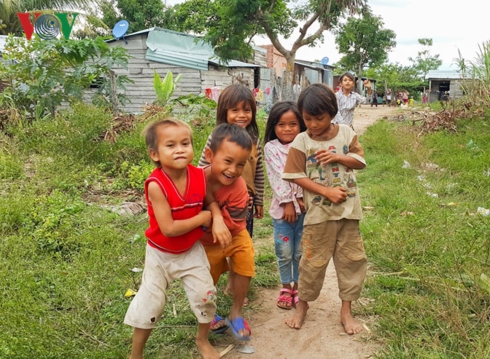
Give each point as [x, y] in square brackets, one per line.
[285, 298]
[294, 293]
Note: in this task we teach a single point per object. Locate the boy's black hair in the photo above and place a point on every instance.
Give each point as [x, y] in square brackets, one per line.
[232, 133]
[275, 115]
[231, 96]
[317, 99]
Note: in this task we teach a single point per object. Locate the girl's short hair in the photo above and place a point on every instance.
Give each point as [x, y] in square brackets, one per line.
[230, 97]
[349, 75]
[275, 115]
[232, 133]
[317, 99]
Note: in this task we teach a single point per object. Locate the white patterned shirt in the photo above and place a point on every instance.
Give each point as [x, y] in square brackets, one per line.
[347, 105]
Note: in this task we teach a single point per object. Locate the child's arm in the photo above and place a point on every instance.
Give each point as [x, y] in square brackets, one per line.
[354, 159]
[220, 231]
[202, 161]
[327, 156]
[259, 182]
[163, 214]
[334, 194]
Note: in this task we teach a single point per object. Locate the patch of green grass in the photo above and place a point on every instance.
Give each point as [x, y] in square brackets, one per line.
[67, 258]
[429, 250]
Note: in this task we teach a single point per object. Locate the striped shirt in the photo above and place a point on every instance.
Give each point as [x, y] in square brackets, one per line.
[253, 173]
[347, 105]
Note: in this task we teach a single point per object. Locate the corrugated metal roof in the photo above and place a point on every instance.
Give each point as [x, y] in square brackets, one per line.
[175, 48]
[231, 63]
[313, 64]
[179, 49]
[132, 34]
[440, 74]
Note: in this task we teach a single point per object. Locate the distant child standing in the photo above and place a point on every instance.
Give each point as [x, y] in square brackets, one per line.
[236, 105]
[405, 97]
[227, 156]
[347, 101]
[175, 193]
[321, 161]
[287, 207]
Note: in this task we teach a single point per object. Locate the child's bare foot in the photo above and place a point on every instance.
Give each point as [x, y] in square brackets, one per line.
[351, 326]
[206, 349]
[299, 317]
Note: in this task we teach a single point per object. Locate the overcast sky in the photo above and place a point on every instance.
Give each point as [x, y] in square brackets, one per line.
[451, 24]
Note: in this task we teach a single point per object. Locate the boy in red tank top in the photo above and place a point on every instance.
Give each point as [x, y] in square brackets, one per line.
[176, 193]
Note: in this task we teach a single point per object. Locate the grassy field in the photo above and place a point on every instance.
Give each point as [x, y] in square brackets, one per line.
[67, 258]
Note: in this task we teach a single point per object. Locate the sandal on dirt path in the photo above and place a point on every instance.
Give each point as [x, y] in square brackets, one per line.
[216, 320]
[238, 324]
[285, 298]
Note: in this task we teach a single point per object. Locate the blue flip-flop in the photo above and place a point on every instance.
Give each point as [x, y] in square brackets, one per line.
[238, 324]
[219, 330]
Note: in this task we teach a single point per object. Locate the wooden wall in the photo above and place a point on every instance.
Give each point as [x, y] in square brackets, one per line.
[192, 81]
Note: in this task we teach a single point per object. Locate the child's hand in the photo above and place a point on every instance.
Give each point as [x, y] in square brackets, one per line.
[301, 204]
[250, 203]
[289, 212]
[326, 156]
[221, 233]
[259, 212]
[336, 195]
[207, 218]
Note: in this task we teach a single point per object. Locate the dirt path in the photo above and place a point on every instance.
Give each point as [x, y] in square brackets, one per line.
[322, 336]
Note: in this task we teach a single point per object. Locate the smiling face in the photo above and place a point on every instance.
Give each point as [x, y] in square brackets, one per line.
[174, 147]
[240, 114]
[320, 126]
[227, 162]
[287, 128]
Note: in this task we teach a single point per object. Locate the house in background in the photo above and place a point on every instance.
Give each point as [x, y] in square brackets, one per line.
[274, 59]
[312, 72]
[305, 72]
[162, 50]
[441, 82]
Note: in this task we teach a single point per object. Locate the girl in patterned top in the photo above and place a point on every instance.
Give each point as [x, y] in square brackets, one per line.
[287, 207]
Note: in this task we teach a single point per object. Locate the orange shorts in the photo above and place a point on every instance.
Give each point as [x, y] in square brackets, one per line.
[241, 253]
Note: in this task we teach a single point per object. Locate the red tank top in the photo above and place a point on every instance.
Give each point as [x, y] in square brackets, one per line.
[183, 207]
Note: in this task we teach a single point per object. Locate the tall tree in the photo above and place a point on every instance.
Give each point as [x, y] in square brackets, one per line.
[396, 77]
[238, 21]
[141, 14]
[364, 41]
[196, 16]
[9, 22]
[425, 61]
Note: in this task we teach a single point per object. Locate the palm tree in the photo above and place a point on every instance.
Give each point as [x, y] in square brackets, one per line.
[9, 22]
